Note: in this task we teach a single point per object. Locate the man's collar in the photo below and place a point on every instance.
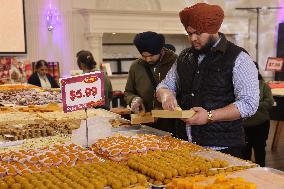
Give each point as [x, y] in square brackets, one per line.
[220, 45]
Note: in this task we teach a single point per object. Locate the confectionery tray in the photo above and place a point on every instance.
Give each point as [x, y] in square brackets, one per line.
[263, 177]
[140, 129]
[233, 161]
[275, 171]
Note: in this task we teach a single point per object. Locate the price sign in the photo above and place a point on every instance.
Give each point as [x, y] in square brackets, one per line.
[82, 91]
[274, 64]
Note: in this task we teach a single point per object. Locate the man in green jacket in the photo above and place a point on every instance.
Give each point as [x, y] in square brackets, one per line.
[146, 73]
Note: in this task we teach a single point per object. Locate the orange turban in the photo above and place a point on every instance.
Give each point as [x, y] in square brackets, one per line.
[202, 17]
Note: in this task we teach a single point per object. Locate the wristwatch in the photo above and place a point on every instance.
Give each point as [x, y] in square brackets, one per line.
[210, 116]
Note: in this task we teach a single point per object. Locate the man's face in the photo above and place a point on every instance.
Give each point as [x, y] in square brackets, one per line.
[199, 41]
[150, 58]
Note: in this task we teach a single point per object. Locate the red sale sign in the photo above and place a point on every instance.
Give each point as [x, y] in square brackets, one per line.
[274, 64]
[82, 91]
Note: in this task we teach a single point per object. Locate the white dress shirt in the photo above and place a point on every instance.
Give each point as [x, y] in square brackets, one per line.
[44, 81]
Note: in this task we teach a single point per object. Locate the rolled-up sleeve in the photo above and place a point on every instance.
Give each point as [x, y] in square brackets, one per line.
[246, 85]
[170, 80]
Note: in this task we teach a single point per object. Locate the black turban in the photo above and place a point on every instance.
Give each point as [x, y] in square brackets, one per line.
[150, 42]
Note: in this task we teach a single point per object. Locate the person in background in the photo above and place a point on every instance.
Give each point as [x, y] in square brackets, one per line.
[257, 126]
[146, 73]
[170, 47]
[214, 77]
[17, 73]
[41, 77]
[87, 64]
[4, 70]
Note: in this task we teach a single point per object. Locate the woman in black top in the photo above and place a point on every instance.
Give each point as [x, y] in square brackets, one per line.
[41, 77]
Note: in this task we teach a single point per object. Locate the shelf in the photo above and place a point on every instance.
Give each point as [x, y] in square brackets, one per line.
[118, 63]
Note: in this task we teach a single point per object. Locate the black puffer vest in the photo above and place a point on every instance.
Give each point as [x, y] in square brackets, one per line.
[209, 85]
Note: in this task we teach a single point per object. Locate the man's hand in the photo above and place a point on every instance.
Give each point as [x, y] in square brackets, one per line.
[169, 103]
[199, 118]
[167, 98]
[137, 105]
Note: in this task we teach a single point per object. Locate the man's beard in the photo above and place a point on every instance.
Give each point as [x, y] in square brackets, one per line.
[207, 47]
[154, 63]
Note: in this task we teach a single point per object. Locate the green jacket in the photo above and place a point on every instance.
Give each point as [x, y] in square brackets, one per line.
[139, 84]
[108, 90]
[266, 102]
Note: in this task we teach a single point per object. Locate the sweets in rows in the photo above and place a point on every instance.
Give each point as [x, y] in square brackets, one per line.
[37, 160]
[51, 107]
[115, 123]
[34, 143]
[34, 130]
[27, 97]
[16, 87]
[218, 182]
[162, 166]
[119, 148]
[90, 176]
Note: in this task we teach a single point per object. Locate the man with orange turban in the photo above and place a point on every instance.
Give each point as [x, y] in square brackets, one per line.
[214, 77]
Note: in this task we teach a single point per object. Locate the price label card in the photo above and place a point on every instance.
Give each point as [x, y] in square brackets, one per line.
[274, 64]
[82, 91]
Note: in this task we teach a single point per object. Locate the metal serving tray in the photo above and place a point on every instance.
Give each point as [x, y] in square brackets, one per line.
[140, 129]
[275, 171]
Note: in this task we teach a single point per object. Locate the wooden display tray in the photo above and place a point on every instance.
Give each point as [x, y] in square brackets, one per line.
[142, 118]
[121, 111]
[173, 114]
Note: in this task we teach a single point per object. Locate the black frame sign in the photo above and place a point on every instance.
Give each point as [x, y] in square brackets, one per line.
[13, 27]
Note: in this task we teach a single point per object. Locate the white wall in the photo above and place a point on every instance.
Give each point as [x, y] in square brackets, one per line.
[69, 37]
[56, 45]
[267, 31]
[130, 51]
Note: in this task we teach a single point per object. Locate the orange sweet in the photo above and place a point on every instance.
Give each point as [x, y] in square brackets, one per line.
[70, 164]
[11, 171]
[44, 168]
[89, 155]
[2, 171]
[25, 171]
[133, 148]
[33, 159]
[82, 156]
[125, 151]
[33, 168]
[49, 154]
[114, 152]
[72, 145]
[42, 156]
